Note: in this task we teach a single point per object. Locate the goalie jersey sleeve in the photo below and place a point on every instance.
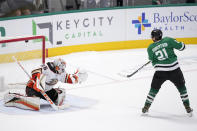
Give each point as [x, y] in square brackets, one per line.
[162, 55]
[52, 77]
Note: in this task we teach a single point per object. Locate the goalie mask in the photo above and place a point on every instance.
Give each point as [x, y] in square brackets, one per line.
[60, 65]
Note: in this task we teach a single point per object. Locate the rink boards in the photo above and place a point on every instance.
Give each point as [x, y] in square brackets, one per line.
[98, 29]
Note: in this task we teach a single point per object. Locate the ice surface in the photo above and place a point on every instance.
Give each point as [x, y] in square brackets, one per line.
[107, 101]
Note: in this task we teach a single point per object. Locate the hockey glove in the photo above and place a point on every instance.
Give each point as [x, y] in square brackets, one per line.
[82, 76]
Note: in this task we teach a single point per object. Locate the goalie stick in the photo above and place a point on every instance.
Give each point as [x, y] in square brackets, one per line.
[41, 91]
[135, 71]
[14, 84]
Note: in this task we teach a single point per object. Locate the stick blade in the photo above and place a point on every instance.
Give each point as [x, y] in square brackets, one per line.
[122, 75]
[64, 106]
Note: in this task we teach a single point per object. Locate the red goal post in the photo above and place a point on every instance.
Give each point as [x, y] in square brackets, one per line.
[26, 39]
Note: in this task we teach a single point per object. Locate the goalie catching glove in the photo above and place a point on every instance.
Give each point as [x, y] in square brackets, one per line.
[78, 77]
[82, 75]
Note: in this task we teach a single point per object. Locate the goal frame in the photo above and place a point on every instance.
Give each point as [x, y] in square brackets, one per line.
[9, 40]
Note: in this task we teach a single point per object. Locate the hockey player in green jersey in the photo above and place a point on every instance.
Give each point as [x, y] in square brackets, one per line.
[161, 54]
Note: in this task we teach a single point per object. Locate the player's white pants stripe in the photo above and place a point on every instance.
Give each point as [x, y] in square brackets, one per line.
[184, 97]
[150, 99]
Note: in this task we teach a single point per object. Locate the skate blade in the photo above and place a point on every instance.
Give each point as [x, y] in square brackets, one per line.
[144, 114]
[190, 114]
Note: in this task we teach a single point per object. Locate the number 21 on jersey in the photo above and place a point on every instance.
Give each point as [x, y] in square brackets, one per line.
[161, 54]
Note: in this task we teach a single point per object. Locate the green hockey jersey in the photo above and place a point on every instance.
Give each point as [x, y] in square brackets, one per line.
[162, 56]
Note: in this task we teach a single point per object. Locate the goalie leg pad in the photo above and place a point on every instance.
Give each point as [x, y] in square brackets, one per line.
[21, 101]
[61, 96]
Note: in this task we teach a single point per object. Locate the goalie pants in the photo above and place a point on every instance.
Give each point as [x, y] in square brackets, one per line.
[53, 94]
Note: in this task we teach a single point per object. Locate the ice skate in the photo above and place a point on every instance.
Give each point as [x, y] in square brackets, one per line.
[145, 109]
[189, 111]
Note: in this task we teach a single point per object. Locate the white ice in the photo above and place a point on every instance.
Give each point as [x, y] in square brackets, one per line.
[107, 101]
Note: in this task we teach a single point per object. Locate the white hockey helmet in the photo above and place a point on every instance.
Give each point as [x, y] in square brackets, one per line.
[60, 65]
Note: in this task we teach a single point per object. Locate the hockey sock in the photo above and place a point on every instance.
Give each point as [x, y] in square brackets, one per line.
[150, 97]
[184, 96]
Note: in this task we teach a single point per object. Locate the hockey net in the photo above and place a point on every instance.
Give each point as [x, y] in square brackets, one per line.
[23, 49]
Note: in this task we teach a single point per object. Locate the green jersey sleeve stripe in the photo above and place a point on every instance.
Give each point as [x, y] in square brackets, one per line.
[183, 46]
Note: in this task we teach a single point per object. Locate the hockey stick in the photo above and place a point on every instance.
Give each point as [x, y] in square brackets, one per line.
[136, 70]
[139, 69]
[13, 84]
[41, 91]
